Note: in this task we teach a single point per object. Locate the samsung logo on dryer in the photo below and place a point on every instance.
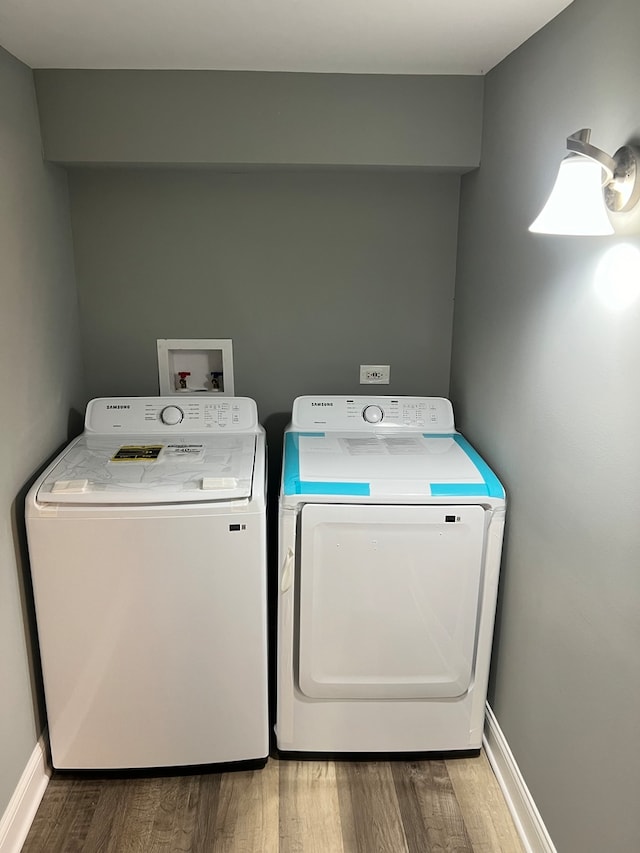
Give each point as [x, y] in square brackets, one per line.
[322, 404]
[118, 407]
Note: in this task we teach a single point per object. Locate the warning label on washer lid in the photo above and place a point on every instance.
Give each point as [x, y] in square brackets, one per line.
[137, 453]
[190, 450]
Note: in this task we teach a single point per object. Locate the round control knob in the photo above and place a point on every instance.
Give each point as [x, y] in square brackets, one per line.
[373, 414]
[171, 415]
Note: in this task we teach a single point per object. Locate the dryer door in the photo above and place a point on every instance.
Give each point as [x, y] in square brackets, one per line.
[389, 600]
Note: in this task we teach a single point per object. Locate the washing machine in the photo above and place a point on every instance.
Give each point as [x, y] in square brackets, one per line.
[390, 537]
[147, 545]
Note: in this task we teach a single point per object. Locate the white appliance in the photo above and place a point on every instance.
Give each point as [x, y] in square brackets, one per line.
[391, 530]
[147, 542]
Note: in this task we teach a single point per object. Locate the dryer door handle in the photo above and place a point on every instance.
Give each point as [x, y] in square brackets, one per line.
[287, 571]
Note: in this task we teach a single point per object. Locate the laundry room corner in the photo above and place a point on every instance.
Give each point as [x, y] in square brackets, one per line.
[302, 561]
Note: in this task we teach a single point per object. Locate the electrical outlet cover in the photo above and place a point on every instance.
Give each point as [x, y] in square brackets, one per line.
[374, 374]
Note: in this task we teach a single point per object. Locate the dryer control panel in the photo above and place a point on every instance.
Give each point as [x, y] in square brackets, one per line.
[421, 414]
[164, 415]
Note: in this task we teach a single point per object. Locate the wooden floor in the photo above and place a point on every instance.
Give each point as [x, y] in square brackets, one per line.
[288, 807]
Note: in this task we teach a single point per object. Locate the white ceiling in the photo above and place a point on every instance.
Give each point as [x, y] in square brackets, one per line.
[342, 36]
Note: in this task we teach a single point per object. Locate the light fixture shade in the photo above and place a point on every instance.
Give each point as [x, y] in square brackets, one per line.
[576, 204]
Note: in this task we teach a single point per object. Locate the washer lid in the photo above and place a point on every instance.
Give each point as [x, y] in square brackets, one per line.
[386, 465]
[98, 469]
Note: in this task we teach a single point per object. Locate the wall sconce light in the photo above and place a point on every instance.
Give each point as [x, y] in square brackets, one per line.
[589, 183]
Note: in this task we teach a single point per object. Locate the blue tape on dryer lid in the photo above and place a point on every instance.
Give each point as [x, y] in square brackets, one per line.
[490, 486]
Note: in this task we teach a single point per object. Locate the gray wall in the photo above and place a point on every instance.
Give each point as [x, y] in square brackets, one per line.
[311, 218]
[40, 363]
[310, 275]
[545, 379]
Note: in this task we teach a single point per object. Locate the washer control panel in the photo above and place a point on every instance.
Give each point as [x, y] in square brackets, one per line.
[424, 414]
[163, 415]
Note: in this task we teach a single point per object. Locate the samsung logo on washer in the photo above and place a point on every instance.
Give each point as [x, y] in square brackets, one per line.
[118, 407]
[322, 404]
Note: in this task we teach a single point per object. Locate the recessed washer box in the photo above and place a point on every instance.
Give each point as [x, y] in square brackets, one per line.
[187, 366]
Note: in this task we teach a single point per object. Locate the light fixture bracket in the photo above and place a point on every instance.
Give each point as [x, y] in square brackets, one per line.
[622, 183]
[623, 192]
[579, 143]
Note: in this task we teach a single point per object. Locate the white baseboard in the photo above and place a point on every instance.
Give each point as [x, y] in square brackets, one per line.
[529, 824]
[23, 805]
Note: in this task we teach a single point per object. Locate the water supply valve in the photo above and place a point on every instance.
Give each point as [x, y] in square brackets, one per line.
[182, 379]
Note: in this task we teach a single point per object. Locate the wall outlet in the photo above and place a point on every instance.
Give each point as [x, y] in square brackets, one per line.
[374, 374]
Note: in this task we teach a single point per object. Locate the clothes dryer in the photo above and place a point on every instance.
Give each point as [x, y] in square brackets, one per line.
[390, 536]
[147, 543]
